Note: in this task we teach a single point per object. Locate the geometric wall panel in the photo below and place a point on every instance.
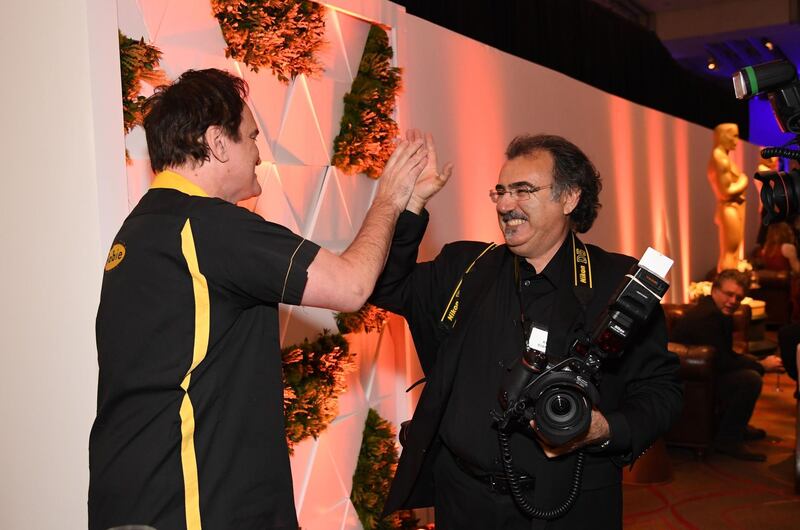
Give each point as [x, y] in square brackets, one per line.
[366, 344]
[301, 462]
[332, 56]
[327, 97]
[130, 20]
[383, 384]
[318, 518]
[331, 475]
[358, 193]
[300, 138]
[272, 204]
[187, 34]
[301, 185]
[299, 323]
[353, 401]
[268, 99]
[350, 520]
[262, 142]
[332, 227]
[353, 32]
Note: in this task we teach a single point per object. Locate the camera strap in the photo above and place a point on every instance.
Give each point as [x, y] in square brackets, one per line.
[448, 319]
[581, 271]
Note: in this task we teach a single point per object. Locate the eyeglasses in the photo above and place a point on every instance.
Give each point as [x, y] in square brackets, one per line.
[520, 194]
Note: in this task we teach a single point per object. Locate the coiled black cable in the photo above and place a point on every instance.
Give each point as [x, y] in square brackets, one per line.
[519, 497]
[783, 152]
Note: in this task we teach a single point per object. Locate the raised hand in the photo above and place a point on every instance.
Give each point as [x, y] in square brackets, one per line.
[430, 180]
[401, 172]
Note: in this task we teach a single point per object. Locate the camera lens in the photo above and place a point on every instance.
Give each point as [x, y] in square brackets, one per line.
[562, 412]
[561, 406]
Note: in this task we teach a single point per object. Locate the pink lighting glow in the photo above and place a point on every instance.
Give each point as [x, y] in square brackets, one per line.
[683, 259]
[624, 185]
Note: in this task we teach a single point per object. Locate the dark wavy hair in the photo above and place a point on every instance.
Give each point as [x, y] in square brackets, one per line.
[572, 169]
[177, 115]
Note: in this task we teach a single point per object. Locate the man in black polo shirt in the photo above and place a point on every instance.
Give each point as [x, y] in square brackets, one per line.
[547, 190]
[190, 427]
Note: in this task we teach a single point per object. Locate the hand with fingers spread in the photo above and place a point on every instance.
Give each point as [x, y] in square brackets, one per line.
[401, 171]
[431, 180]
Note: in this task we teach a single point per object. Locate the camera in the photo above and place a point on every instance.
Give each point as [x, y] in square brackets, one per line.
[780, 193]
[559, 394]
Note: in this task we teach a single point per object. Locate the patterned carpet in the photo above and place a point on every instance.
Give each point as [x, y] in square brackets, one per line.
[720, 492]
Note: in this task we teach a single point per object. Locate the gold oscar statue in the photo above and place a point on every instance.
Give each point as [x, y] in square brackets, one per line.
[729, 185]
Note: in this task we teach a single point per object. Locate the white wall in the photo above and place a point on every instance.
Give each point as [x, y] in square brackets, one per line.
[55, 213]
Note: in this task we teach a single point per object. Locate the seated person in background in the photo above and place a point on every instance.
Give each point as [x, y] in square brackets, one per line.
[738, 376]
[789, 341]
[779, 252]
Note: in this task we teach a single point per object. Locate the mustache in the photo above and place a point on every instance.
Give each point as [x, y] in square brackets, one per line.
[513, 214]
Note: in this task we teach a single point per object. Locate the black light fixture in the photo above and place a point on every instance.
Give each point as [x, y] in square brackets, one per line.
[768, 44]
[711, 63]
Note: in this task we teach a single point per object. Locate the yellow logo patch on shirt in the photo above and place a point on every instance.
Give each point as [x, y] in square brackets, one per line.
[115, 256]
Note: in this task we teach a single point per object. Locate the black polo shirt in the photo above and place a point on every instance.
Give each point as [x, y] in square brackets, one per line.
[467, 427]
[190, 426]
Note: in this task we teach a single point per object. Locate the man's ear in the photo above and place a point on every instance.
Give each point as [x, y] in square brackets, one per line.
[570, 199]
[217, 142]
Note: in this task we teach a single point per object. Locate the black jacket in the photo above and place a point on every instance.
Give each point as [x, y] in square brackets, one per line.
[640, 393]
[706, 324]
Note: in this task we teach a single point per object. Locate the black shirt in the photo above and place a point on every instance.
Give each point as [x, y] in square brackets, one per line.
[471, 435]
[190, 427]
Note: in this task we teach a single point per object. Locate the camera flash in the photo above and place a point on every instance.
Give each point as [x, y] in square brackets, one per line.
[656, 262]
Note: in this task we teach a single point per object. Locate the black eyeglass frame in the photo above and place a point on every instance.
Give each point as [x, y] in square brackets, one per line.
[520, 194]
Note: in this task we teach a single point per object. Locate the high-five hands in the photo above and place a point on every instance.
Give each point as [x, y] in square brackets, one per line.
[407, 162]
[430, 180]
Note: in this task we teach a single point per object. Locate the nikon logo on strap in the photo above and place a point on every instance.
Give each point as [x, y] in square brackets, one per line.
[581, 267]
[448, 319]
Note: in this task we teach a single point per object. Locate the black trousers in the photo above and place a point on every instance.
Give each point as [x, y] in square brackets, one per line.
[464, 503]
[737, 393]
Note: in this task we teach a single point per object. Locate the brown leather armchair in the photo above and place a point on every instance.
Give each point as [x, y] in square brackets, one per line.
[696, 426]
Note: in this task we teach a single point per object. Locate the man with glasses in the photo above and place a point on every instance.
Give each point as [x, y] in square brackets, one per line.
[471, 311]
[738, 376]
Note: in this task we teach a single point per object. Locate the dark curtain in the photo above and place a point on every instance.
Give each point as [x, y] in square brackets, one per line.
[592, 44]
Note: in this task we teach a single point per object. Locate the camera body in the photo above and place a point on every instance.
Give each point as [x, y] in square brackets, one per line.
[558, 395]
[780, 193]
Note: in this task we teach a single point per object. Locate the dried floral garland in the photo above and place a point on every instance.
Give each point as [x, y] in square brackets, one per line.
[283, 35]
[367, 128]
[377, 461]
[138, 62]
[313, 377]
[368, 318]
